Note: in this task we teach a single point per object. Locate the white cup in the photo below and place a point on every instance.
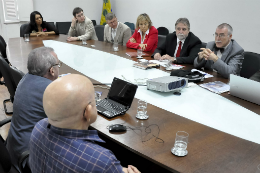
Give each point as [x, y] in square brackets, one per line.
[26, 37]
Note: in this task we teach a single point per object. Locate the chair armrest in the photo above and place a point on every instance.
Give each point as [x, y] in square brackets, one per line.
[5, 121]
[21, 159]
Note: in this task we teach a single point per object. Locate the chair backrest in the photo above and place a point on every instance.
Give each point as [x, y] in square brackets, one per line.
[251, 64]
[130, 25]
[6, 72]
[3, 47]
[161, 40]
[51, 23]
[63, 27]
[17, 75]
[163, 31]
[132, 31]
[100, 32]
[23, 28]
[94, 22]
[5, 159]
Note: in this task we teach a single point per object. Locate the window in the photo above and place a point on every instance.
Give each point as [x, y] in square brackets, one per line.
[10, 10]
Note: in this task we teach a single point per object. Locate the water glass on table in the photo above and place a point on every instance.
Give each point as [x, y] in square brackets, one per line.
[181, 142]
[115, 46]
[26, 37]
[139, 53]
[141, 110]
[84, 41]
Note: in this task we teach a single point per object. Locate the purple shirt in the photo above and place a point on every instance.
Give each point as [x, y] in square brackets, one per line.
[54, 149]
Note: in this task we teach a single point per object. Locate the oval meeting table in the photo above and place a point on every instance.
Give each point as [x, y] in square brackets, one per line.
[224, 131]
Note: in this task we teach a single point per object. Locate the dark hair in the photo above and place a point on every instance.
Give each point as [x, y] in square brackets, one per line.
[76, 11]
[32, 21]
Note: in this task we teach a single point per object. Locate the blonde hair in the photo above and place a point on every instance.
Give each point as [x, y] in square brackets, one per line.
[142, 17]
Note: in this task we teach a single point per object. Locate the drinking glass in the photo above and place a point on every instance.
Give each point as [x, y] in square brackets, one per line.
[97, 96]
[26, 37]
[141, 110]
[115, 46]
[84, 41]
[181, 142]
[139, 53]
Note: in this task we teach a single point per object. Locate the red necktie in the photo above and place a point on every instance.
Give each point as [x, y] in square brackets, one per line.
[179, 50]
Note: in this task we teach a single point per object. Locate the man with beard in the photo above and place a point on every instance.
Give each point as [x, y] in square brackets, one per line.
[181, 47]
[224, 55]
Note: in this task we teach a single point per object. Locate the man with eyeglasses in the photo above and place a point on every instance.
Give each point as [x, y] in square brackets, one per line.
[116, 31]
[43, 68]
[224, 55]
[81, 27]
[181, 46]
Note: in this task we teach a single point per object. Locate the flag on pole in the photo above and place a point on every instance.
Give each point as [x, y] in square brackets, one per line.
[106, 9]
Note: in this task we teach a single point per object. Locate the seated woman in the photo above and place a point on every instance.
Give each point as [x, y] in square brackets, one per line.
[38, 27]
[145, 35]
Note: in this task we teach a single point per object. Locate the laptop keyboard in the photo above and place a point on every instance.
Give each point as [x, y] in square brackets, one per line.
[110, 108]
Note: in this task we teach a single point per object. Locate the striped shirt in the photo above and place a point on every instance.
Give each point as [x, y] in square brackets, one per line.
[54, 149]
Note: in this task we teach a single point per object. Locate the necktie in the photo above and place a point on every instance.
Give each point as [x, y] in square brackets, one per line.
[179, 50]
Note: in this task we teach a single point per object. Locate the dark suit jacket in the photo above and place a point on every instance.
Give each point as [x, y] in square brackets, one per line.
[189, 50]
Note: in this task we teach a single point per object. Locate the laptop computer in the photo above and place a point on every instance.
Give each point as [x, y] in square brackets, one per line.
[245, 89]
[119, 99]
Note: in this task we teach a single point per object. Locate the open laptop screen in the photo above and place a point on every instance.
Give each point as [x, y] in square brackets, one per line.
[122, 92]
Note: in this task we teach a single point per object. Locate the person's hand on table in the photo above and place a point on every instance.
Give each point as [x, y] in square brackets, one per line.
[132, 40]
[41, 34]
[157, 56]
[143, 46]
[207, 54]
[131, 169]
[168, 57]
[72, 38]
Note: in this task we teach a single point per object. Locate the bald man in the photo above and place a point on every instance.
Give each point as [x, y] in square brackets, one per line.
[61, 142]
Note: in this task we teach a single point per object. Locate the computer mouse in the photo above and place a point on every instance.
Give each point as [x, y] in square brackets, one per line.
[117, 128]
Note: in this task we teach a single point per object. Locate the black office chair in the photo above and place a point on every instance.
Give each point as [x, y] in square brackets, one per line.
[63, 27]
[17, 75]
[130, 25]
[161, 40]
[251, 64]
[100, 32]
[94, 22]
[6, 165]
[163, 31]
[23, 28]
[51, 23]
[9, 83]
[132, 31]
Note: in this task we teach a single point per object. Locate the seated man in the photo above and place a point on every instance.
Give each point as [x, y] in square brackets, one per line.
[181, 47]
[224, 55]
[256, 76]
[43, 68]
[116, 31]
[62, 142]
[82, 27]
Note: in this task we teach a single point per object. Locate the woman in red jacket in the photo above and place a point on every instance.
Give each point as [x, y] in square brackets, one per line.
[145, 35]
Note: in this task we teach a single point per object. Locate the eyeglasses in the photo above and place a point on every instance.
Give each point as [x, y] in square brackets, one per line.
[80, 15]
[179, 29]
[59, 65]
[219, 35]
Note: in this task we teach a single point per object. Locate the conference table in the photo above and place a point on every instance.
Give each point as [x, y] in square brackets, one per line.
[219, 140]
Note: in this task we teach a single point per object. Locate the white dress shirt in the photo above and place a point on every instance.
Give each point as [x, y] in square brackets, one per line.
[146, 33]
[219, 54]
[113, 31]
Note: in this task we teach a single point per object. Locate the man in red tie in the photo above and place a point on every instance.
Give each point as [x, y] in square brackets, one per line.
[181, 46]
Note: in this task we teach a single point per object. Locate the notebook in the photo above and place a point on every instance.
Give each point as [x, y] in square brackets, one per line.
[119, 98]
[245, 88]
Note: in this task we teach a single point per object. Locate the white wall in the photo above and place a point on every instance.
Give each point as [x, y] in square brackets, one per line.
[204, 17]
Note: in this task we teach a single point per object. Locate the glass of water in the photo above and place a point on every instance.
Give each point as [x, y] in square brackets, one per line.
[181, 142]
[139, 53]
[142, 110]
[84, 41]
[26, 37]
[115, 46]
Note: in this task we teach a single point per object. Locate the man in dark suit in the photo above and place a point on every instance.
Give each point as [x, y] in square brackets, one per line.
[181, 47]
